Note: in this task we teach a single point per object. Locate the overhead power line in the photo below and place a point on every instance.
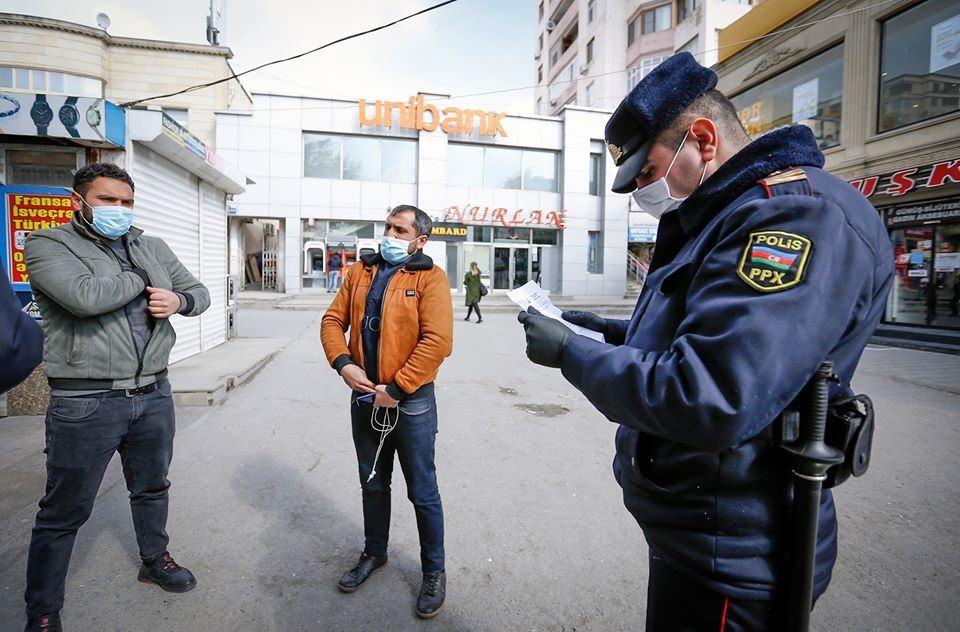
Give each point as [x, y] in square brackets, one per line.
[201, 86]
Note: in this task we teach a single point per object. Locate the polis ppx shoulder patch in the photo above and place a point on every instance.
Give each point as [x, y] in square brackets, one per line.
[774, 260]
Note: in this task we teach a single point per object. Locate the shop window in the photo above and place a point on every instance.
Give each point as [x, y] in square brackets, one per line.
[359, 158]
[594, 252]
[926, 290]
[546, 237]
[807, 94]
[41, 168]
[919, 64]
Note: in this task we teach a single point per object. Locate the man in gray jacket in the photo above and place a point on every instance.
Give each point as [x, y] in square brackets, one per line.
[106, 292]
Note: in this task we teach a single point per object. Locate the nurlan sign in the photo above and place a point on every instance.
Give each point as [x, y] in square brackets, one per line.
[773, 260]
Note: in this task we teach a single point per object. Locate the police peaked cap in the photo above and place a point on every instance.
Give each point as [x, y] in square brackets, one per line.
[650, 108]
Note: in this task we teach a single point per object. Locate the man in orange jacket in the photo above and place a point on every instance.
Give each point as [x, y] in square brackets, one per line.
[396, 304]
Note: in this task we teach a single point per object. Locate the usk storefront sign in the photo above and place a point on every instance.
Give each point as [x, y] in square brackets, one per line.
[904, 181]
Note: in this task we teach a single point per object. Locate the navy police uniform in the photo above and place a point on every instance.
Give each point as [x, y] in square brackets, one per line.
[770, 267]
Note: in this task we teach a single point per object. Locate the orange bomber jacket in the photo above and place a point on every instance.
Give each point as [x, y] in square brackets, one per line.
[416, 328]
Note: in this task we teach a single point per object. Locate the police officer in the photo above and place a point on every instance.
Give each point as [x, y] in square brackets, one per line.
[764, 266]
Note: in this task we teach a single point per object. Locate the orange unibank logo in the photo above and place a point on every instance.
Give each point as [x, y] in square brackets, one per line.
[413, 115]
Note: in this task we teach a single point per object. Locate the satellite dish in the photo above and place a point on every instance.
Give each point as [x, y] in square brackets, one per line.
[103, 21]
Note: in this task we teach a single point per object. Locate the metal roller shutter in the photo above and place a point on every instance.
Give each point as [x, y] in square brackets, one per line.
[167, 206]
[213, 246]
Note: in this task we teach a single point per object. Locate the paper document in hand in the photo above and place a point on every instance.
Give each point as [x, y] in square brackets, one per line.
[532, 295]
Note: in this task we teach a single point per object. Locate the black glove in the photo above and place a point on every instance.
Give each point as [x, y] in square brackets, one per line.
[546, 338]
[586, 319]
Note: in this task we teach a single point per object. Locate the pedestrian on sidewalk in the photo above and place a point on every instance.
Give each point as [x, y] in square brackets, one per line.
[21, 340]
[396, 305]
[765, 266]
[475, 291]
[106, 292]
[333, 272]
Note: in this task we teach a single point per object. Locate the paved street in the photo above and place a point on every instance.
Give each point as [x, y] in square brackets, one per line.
[266, 507]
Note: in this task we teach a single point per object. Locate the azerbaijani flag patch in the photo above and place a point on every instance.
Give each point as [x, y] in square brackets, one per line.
[774, 260]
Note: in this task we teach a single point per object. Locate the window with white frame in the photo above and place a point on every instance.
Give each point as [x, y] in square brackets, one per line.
[502, 167]
[588, 94]
[591, 11]
[50, 82]
[642, 69]
[359, 158]
[656, 19]
[590, 50]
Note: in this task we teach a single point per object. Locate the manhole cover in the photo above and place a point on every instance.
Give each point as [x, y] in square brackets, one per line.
[543, 410]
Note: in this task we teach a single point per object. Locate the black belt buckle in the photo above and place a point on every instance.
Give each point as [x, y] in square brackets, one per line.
[143, 390]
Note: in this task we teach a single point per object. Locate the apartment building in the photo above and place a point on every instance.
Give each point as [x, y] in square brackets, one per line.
[590, 53]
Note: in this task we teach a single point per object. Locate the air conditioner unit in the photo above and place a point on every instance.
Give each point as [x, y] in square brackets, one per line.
[584, 69]
[536, 57]
[553, 102]
[551, 25]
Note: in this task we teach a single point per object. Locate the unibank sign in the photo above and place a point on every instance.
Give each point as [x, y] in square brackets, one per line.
[415, 114]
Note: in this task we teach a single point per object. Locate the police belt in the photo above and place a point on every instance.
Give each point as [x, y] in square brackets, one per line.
[78, 384]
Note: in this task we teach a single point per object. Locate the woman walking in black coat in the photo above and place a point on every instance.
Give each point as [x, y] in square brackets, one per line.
[473, 284]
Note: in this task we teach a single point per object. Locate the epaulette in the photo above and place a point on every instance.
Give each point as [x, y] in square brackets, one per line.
[778, 178]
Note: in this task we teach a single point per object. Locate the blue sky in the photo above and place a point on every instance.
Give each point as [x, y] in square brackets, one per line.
[462, 49]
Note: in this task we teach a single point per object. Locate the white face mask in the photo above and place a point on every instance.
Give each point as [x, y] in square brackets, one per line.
[655, 198]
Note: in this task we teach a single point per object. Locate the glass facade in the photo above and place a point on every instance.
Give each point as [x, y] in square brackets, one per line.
[502, 168]
[926, 290]
[919, 64]
[807, 94]
[359, 158]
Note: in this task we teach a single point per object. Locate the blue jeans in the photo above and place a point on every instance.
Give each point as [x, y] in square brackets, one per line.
[82, 435]
[333, 280]
[413, 442]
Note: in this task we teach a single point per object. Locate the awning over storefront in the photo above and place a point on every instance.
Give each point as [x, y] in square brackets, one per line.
[171, 140]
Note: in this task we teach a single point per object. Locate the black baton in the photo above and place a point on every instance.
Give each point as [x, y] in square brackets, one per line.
[811, 458]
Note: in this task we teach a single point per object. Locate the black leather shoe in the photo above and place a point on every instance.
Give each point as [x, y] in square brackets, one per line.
[432, 592]
[49, 622]
[366, 566]
[167, 574]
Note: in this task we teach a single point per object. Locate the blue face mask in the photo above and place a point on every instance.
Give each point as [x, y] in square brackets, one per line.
[111, 221]
[394, 250]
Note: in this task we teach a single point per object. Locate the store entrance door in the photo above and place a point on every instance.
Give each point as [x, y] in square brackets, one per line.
[511, 267]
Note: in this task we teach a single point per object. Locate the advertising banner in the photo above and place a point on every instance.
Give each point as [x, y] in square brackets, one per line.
[24, 210]
[61, 116]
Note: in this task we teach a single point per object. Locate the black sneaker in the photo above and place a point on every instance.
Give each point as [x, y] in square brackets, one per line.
[366, 566]
[432, 592]
[167, 574]
[49, 622]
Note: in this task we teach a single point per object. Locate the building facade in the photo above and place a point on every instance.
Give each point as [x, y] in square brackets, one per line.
[526, 197]
[61, 90]
[879, 85]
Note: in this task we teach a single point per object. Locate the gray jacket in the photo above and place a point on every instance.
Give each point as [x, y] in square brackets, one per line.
[81, 291]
